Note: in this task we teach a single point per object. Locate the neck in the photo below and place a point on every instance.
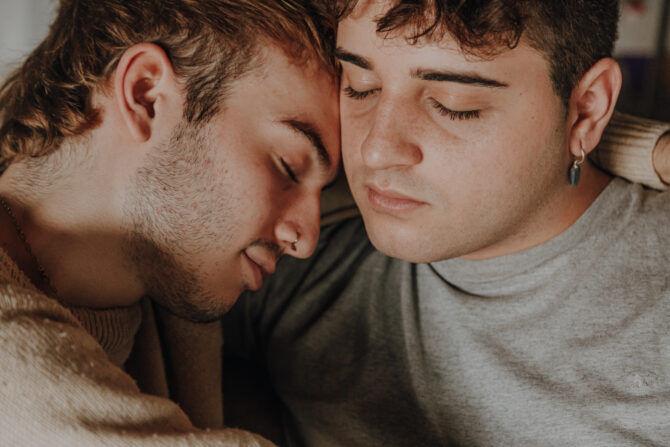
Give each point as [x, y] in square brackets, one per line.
[73, 229]
[561, 211]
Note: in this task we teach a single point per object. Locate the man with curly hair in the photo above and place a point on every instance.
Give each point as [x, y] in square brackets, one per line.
[499, 289]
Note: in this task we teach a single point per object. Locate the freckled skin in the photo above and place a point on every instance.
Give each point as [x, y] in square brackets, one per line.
[493, 184]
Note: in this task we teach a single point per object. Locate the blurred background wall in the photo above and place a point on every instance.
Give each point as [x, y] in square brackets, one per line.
[23, 23]
[643, 48]
[644, 53]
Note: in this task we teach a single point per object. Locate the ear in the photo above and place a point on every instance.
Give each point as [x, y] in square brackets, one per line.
[592, 105]
[144, 80]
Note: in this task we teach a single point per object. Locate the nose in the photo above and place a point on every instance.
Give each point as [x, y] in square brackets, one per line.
[297, 230]
[387, 143]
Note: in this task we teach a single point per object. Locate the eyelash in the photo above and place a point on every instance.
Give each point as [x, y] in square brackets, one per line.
[454, 114]
[288, 171]
[355, 94]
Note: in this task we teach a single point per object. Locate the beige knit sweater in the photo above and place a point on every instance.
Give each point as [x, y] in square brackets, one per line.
[61, 383]
[58, 387]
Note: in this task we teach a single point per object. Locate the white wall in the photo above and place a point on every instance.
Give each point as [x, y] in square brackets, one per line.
[638, 30]
[23, 24]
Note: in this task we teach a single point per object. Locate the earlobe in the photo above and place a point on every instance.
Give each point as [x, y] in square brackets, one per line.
[143, 74]
[592, 105]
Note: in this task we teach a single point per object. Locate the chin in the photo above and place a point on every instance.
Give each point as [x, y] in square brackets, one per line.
[203, 307]
[408, 243]
[413, 241]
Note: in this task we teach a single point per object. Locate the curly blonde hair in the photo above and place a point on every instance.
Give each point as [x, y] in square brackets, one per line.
[210, 43]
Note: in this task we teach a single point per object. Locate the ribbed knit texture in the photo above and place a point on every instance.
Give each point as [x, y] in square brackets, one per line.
[58, 387]
[114, 329]
[627, 149]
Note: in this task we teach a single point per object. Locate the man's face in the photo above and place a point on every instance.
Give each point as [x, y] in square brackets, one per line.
[216, 205]
[447, 155]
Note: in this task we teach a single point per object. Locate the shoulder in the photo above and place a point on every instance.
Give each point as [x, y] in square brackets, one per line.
[37, 331]
[302, 289]
[341, 248]
[637, 234]
[21, 303]
[654, 204]
[648, 209]
[632, 203]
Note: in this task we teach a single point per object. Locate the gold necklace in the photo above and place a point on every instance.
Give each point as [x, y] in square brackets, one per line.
[22, 236]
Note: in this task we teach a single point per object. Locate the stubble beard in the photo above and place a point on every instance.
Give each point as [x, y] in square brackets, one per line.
[161, 239]
[172, 285]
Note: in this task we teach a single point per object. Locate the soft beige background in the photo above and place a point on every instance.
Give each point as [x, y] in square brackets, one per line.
[23, 23]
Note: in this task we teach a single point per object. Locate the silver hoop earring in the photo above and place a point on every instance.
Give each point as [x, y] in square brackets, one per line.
[575, 173]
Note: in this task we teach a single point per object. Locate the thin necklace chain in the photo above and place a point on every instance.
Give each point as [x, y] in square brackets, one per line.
[45, 278]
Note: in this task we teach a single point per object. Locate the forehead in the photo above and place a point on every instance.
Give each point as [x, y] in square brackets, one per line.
[291, 87]
[280, 87]
[277, 72]
[357, 33]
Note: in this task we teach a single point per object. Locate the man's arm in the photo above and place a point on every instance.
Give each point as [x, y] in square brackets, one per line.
[637, 149]
[58, 387]
[662, 158]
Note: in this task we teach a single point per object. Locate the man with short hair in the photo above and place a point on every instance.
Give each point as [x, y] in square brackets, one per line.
[174, 149]
[499, 288]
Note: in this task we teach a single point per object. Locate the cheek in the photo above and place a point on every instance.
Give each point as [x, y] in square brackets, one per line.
[241, 193]
[259, 193]
[353, 134]
[506, 145]
[491, 167]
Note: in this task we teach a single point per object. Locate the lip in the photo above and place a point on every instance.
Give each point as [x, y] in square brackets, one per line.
[391, 201]
[266, 262]
[255, 279]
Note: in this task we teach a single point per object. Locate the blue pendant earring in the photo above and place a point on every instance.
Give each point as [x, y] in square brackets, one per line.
[575, 173]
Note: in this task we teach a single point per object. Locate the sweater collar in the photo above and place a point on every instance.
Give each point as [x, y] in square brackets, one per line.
[114, 329]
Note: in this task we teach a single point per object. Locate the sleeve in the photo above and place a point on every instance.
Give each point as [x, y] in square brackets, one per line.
[58, 387]
[627, 149]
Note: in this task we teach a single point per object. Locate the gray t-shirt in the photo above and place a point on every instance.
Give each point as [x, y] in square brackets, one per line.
[567, 343]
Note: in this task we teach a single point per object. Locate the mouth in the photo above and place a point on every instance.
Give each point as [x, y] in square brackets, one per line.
[388, 201]
[255, 278]
[260, 268]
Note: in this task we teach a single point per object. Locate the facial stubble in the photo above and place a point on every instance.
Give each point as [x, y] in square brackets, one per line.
[174, 214]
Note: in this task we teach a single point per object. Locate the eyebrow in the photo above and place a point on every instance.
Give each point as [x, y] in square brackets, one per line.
[352, 58]
[460, 78]
[310, 132]
[425, 74]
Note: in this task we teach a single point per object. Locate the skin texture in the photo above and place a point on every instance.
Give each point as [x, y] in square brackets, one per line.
[149, 204]
[483, 179]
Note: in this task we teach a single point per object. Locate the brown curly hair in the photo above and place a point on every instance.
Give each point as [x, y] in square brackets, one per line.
[571, 34]
[210, 43]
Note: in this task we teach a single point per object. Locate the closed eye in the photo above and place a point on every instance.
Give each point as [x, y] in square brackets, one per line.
[358, 95]
[455, 114]
[290, 173]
